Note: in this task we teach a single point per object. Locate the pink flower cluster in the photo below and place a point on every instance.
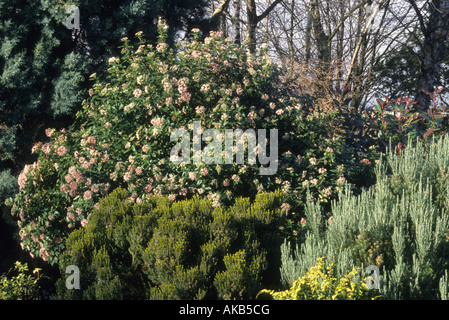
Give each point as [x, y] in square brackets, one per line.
[33, 169]
[285, 207]
[23, 177]
[161, 47]
[61, 151]
[43, 252]
[75, 182]
[215, 198]
[183, 90]
[157, 122]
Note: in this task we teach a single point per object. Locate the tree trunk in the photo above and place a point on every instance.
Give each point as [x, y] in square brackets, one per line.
[291, 45]
[321, 38]
[251, 25]
[236, 22]
[434, 44]
[308, 39]
[358, 60]
[253, 19]
[340, 48]
[218, 13]
[357, 83]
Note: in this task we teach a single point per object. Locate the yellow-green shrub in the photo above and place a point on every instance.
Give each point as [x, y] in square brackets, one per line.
[19, 284]
[321, 283]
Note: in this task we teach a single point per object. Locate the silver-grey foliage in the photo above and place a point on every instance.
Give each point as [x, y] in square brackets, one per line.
[406, 210]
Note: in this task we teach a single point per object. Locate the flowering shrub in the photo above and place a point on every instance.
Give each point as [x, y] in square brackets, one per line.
[122, 137]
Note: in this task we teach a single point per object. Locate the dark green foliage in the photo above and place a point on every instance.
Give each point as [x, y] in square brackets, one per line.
[8, 226]
[42, 74]
[161, 249]
[8, 185]
[405, 61]
[44, 66]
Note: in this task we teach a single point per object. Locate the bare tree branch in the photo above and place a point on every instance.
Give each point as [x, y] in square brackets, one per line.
[418, 15]
[221, 9]
[268, 10]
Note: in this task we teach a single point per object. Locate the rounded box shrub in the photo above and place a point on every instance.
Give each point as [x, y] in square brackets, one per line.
[159, 249]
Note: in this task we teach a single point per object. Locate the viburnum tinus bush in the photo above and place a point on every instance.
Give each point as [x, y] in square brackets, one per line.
[160, 249]
[123, 137]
